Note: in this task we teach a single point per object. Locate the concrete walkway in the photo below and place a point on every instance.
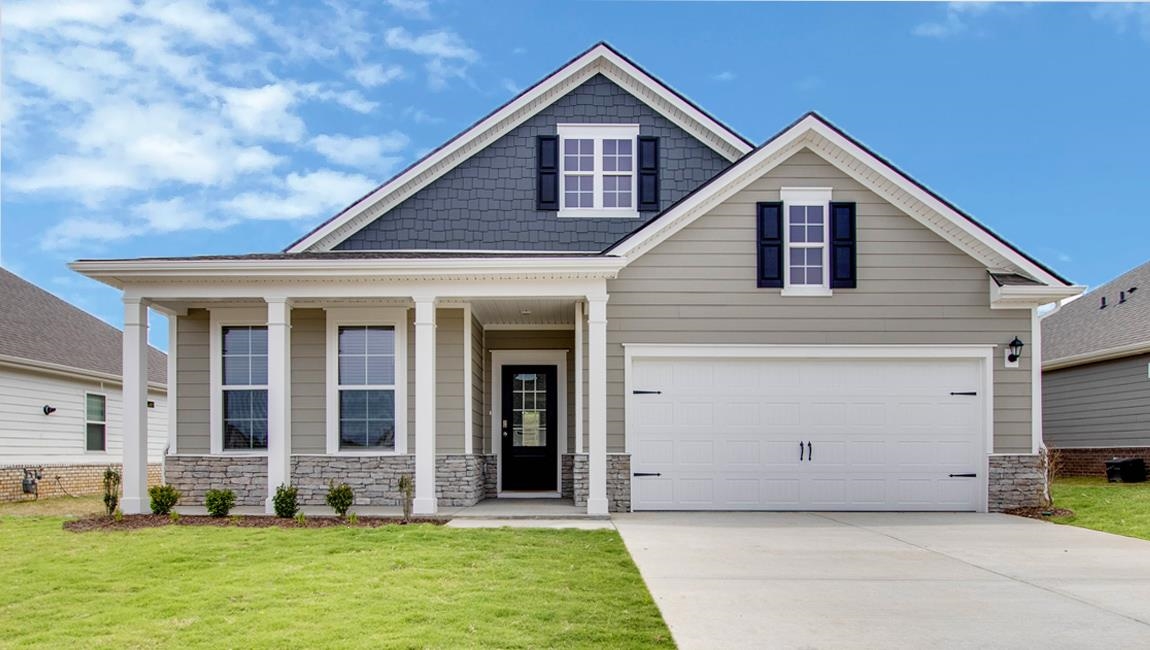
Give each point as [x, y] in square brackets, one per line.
[874, 580]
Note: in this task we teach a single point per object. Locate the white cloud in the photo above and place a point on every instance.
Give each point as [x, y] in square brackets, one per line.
[413, 8]
[442, 44]
[310, 195]
[510, 86]
[198, 20]
[35, 15]
[420, 116]
[372, 76]
[153, 216]
[264, 112]
[367, 152]
[725, 75]
[83, 232]
[956, 21]
[1125, 17]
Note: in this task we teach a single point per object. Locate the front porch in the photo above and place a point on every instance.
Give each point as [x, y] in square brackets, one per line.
[487, 391]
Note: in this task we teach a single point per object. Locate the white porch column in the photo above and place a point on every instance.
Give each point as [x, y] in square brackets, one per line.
[279, 396]
[580, 325]
[425, 502]
[135, 385]
[597, 404]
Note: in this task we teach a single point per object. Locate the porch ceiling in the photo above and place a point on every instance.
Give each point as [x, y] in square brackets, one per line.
[525, 311]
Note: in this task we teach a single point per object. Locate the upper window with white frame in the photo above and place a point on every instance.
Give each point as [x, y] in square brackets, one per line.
[367, 387]
[245, 387]
[598, 170]
[805, 235]
[95, 422]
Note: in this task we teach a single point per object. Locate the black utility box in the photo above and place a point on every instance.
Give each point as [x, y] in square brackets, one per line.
[1127, 470]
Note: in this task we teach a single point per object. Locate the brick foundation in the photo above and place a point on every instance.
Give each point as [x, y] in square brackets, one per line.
[1016, 481]
[618, 481]
[1092, 462]
[73, 479]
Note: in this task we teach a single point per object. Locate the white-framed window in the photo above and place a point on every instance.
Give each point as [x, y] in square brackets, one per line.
[597, 164]
[238, 369]
[366, 380]
[95, 422]
[806, 259]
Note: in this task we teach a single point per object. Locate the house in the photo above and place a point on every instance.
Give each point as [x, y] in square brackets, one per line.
[1096, 375]
[60, 395]
[601, 291]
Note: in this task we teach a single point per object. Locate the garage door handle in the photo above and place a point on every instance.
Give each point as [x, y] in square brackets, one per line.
[646, 474]
[800, 451]
[962, 475]
[810, 452]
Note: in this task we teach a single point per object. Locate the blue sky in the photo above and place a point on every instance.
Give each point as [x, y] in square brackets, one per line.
[140, 128]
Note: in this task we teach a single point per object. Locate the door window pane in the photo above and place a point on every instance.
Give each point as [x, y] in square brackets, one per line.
[529, 410]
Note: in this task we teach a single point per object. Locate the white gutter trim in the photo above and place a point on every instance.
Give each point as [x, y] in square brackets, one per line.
[1117, 352]
[70, 372]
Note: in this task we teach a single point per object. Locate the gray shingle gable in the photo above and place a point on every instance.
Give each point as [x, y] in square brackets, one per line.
[488, 201]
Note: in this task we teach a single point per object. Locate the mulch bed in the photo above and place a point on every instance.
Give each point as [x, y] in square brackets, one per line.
[134, 522]
[1040, 513]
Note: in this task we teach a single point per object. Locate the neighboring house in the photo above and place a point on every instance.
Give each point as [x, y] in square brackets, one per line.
[599, 290]
[1096, 375]
[60, 398]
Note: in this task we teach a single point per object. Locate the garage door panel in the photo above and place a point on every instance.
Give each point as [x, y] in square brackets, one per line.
[885, 434]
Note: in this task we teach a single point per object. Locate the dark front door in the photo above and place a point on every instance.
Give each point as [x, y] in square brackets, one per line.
[529, 428]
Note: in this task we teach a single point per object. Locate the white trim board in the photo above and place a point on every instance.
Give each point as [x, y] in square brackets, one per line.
[600, 59]
[500, 358]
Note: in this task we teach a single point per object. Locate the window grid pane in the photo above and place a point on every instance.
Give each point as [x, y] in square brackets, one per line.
[806, 235]
[245, 356]
[245, 419]
[96, 408]
[96, 440]
[367, 355]
[367, 419]
[578, 191]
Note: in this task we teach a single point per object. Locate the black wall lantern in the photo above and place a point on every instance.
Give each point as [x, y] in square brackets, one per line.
[1015, 350]
[49, 409]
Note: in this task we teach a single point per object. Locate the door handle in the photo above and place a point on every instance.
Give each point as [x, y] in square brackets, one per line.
[810, 452]
[800, 451]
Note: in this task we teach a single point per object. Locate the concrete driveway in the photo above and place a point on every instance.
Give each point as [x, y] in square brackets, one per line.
[876, 580]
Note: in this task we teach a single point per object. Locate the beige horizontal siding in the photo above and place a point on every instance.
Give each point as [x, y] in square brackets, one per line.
[478, 364]
[192, 382]
[699, 287]
[308, 381]
[449, 406]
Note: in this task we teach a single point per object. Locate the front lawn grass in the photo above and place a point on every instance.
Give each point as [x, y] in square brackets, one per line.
[417, 586]
[1120, 508]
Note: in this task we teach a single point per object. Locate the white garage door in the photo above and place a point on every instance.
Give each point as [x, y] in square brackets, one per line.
[801, 434]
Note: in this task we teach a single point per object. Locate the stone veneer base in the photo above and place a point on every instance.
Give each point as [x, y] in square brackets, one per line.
[618, 481]
[62, 480]
[1092, 462]
[1016, 481]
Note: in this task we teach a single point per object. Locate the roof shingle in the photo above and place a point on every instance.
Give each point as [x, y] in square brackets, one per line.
[1084, 327]
[38, 326]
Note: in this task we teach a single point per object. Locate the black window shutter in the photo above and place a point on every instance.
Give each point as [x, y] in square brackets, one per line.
[843, 248]
[547, 166]
[769, 228]
[648, 173]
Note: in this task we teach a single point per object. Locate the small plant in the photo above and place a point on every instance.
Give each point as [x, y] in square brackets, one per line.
[219, 502]
[1052, 462]
[164, 498]
[286, 502]
[300, 519]
[174, 517]
[117, 516]
[352, 519]
[111, 490]
[339, 498]
[234, 520]
[407, 489]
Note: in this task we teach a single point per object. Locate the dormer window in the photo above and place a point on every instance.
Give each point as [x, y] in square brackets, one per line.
[598, 170]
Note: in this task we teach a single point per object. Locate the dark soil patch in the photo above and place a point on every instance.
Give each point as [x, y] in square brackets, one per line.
[1044, 514]
[133, 522]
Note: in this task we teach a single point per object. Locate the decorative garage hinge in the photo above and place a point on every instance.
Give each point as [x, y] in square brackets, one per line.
[646, 392]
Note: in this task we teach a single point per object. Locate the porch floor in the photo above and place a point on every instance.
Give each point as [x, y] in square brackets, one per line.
[502, 509]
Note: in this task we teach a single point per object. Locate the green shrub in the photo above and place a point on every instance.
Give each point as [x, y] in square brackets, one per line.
[164, 498]
[286, 503]
[300, 519]
[174, 517]
[339, 498]
[111, 490]
[219, 502]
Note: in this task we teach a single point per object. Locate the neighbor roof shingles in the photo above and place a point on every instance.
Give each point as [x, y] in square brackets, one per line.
[38, 326]
[1083, 327]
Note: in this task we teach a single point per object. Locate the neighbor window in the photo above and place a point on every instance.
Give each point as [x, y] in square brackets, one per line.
[96, 422]
[598, 169]
[245, 387]
[366, 377]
